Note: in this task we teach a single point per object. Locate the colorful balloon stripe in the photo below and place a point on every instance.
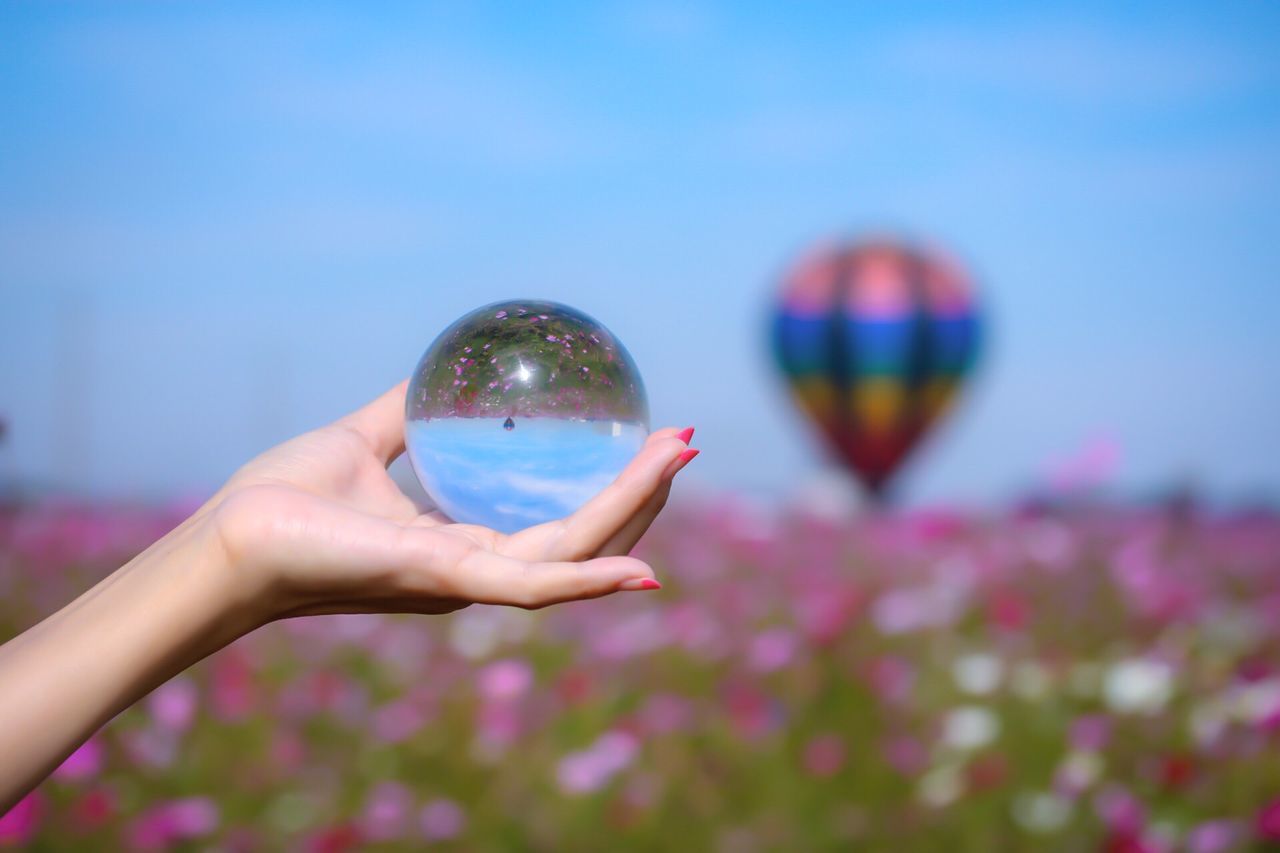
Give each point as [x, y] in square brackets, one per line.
[875, 338]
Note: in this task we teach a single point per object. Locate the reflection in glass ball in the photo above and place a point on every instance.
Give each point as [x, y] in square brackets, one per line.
[521, 411]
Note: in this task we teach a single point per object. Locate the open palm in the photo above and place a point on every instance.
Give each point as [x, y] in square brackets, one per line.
[316, 525]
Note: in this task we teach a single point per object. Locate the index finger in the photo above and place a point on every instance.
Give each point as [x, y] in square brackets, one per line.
[584, 533]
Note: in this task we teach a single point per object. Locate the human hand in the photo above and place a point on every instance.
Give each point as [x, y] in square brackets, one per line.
[316, 525]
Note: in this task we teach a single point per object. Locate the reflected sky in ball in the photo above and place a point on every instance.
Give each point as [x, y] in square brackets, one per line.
[541, 469]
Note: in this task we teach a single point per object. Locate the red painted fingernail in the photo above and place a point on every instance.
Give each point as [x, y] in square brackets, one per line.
[686, 455]
[685, 435]
[639, 583]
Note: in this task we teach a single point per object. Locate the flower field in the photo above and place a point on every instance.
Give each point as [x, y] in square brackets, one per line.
[1040, 679]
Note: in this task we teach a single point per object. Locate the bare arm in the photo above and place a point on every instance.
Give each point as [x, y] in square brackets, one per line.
[313, 526]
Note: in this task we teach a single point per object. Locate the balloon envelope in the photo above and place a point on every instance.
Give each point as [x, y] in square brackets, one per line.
[875, 339]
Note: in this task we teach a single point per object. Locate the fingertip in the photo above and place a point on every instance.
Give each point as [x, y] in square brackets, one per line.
[637, 584]
[659, 434]
[685, 435]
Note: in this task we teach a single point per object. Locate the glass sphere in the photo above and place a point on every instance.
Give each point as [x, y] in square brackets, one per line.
[520, 412]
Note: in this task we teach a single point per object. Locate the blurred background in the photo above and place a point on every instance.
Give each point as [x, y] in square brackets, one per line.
[224, 225]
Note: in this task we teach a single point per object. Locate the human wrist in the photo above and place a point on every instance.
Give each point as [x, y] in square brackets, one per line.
[236, 590]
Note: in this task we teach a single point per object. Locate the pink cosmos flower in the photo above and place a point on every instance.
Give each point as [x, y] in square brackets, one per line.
[397, 721]
[441, 819]
[1214, 836]
[892, 679]
[93, 809]
[178, 820]
[905, 754]
[84, 763]
[1267, 823]
[1120, 810]
[772, 649]
[666, 712]
[386, 812]
[173, 704]
[499, 723]
[591, 769]
[505, 680]
[234, 691]
[1090, 733]
[19, 825]
[824, 755]
[151, 747]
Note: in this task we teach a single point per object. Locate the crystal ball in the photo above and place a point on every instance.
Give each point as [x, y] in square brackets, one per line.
[520, 412]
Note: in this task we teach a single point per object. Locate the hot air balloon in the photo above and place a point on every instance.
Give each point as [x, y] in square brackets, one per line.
[875, 338]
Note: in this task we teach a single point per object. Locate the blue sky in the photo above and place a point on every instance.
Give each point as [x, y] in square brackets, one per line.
[223, 225]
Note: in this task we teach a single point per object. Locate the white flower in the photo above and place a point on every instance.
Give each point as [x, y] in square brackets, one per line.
[1041, 812]
[941, 786]
[970, 727]
[1255, 702]
[1138, 686]
[476, 632]
[978, 674]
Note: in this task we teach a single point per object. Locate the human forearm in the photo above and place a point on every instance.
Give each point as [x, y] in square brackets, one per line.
[65, 677]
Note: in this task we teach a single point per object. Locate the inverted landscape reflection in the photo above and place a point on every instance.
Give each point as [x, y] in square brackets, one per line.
[539, 469]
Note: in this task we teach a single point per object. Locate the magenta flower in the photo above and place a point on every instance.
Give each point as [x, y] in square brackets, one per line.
[1267, 822]
[505, 680]
[666, 712]
[397, 721]
[162, 825]
[891, 679]
[93, 809]
[173, 704]
[591, 769]
[499, 723]
[441, 819]
[824, 755]
[1090, 733]
[772, 649]
[905, 754]
[386, 812]
[84, 763]
[151, 747]
[234, 690]
[1214, 836]
[1120, 810]
[19, 824]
